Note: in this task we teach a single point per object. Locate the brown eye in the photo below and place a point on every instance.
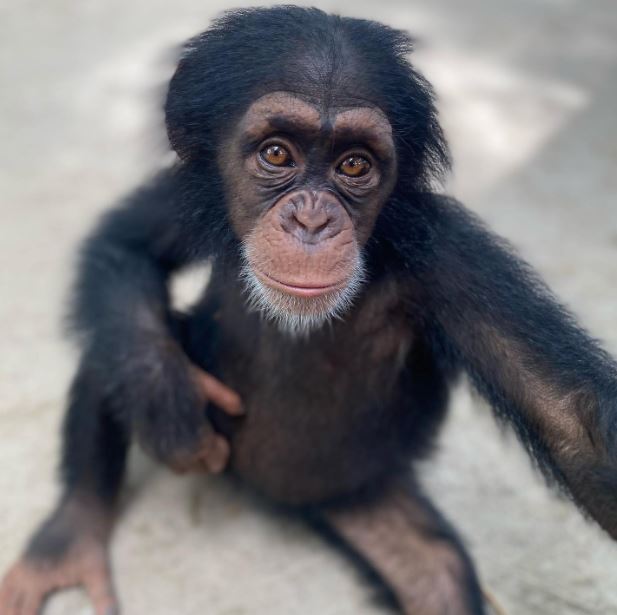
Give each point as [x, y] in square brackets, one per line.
[276, 155]
[354, 166]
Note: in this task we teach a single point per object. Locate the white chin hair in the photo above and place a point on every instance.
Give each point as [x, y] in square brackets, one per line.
[298, 316]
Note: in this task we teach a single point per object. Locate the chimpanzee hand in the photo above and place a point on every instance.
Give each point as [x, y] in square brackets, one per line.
[166, 396]
[212, 454]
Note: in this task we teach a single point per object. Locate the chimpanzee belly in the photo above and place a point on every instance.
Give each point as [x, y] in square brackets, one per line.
[325, 415]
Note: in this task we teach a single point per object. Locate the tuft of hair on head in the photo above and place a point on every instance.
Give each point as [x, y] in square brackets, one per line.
[332, 57]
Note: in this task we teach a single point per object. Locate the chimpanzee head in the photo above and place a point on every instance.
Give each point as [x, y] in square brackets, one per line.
[311, 122]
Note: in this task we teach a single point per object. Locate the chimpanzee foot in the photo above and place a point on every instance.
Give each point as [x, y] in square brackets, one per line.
[29, 582]
[70, 550]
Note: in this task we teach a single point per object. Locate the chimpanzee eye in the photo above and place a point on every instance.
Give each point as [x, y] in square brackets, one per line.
[354, 166]
[276, 155]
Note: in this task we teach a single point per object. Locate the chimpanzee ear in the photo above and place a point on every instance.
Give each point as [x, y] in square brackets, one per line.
[190, 104]
[178, 116]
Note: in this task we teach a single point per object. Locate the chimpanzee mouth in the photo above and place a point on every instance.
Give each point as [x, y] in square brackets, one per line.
[299, 309]
[299, 289]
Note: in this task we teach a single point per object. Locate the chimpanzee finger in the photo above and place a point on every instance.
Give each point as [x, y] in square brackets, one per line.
[215, 453]
[220, 394]
[211, 457]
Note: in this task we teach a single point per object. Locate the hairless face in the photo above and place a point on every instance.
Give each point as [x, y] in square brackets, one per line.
[306, 183]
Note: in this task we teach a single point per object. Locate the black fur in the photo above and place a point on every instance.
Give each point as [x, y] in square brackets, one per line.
[468, 279]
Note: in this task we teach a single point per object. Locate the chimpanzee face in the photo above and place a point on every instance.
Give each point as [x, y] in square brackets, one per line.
[305, 183]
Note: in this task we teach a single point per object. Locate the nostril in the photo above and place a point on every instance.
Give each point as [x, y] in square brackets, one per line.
[322, 227]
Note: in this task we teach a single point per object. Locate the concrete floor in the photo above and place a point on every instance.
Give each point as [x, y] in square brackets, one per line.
[529, 101]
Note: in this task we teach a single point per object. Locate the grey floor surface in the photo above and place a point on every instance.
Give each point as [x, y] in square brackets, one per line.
[528, 94]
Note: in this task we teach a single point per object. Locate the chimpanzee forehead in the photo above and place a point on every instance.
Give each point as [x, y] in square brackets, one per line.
[289, 113]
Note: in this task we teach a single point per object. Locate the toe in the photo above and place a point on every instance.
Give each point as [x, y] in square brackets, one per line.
[31, 604]
[17, 602]
[12, 597]
[100, 590]
[10, 603]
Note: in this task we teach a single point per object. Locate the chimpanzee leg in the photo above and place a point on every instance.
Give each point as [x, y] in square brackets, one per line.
[70, 547]
[405, 540]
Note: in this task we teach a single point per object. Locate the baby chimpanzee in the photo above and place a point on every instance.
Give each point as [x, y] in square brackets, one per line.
[344, 298]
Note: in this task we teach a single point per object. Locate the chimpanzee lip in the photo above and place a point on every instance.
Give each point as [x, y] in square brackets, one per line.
[299, 290]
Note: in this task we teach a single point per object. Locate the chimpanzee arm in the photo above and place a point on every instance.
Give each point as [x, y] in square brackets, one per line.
[488, 312]
[121, 308]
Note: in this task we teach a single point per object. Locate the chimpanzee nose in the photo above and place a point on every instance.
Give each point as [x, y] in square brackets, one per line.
[312, 217]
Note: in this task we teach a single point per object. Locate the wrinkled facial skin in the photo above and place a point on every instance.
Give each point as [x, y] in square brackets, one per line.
[305, 185]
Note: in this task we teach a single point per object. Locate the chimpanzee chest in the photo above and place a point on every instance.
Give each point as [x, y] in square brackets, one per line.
[323, 413]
